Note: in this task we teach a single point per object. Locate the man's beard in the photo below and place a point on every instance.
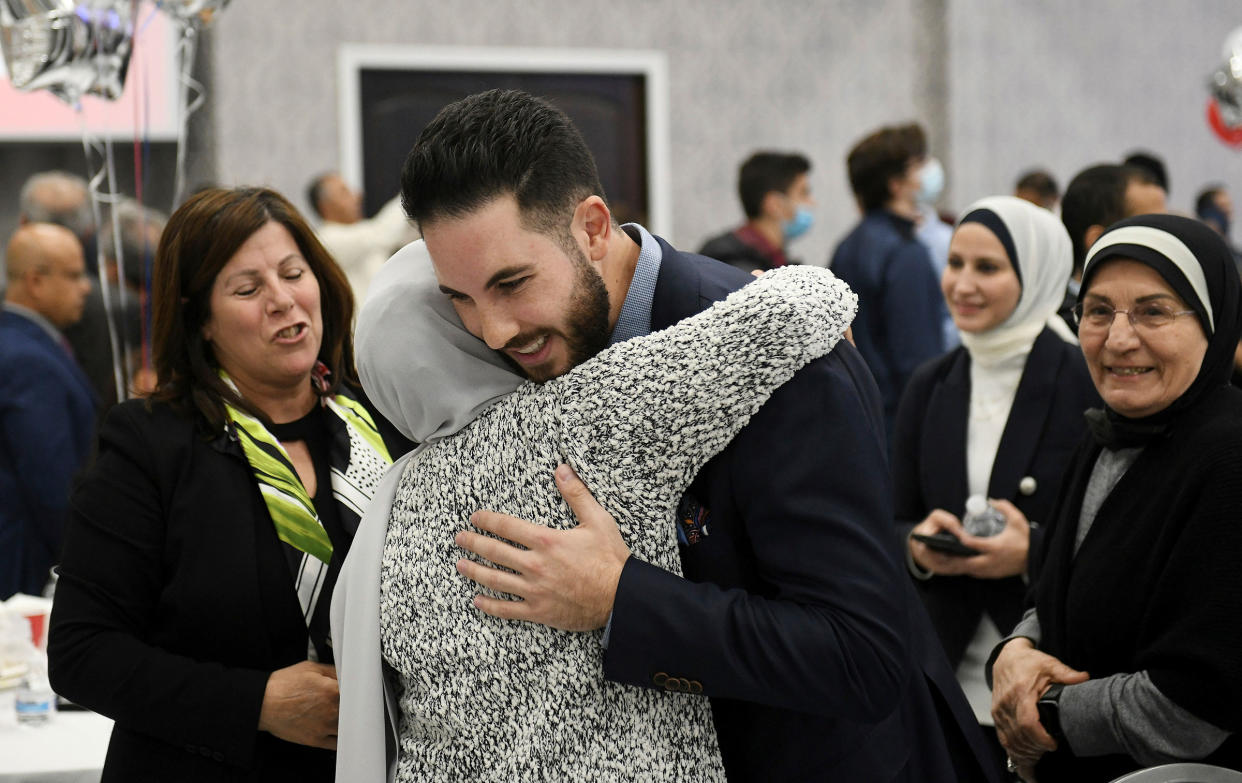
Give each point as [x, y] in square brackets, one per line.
[586, 330]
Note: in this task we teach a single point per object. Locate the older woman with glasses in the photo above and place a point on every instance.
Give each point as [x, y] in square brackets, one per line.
[1130, 655]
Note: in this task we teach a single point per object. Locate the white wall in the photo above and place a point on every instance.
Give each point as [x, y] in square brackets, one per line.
[743, 75]
[1002, 84]
[1065, 84]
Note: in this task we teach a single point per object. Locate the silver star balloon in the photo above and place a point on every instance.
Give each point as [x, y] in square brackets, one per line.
[68, 48]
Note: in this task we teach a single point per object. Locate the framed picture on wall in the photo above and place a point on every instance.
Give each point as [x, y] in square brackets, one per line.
[617, 98]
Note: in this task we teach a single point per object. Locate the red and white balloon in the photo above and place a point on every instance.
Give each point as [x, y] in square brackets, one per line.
[1224, 108]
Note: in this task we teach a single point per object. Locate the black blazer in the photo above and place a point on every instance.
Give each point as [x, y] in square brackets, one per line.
[174, 604]
[1044, 428]
[795, 615]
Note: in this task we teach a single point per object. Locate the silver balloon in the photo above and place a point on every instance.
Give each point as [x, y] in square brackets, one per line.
[193, 11]
[68, 48]
[1226, 81]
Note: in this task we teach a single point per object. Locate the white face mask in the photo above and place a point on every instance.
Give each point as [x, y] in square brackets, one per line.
[931, 182]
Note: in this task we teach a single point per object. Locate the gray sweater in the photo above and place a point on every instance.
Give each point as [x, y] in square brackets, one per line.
[487, 699]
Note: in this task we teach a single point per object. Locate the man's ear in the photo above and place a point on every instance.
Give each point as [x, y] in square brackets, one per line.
[32, 280]
[894, 187]
[772, 204]
[1092, 233]
[592, 227]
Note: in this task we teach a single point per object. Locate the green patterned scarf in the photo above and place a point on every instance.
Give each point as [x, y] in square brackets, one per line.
[355, 472]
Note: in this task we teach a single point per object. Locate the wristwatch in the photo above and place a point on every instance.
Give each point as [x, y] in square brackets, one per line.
[1050, 711]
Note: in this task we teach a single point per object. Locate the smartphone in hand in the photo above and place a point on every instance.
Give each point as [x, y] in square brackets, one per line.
[946, 543]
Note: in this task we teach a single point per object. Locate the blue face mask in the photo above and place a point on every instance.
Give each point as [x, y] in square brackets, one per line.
[801, 223]
[931, 182]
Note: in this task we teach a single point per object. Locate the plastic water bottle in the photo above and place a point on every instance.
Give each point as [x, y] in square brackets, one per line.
[982, 520]
[36, 703]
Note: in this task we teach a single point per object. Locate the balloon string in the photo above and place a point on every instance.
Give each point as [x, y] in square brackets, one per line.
[187, 49]
[104, 171]
[141, 131]
[116, 316]
[148, 256]
[122, 358]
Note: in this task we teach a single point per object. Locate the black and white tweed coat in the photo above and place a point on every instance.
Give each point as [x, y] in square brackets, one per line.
[487, 699]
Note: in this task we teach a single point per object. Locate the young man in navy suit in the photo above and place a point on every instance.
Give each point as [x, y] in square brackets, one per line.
[47, 407]
[794, 615]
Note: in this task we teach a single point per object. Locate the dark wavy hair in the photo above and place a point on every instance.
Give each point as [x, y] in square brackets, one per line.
[198, 241]
[494, 143]
[880, 158]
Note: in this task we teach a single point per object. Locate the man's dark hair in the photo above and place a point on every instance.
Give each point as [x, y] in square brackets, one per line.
[881, 157]
[1039, 182]
[1151, 165]
[495, 143]
[314, 191]
[765, 172]
[1096, 196]
[1206, 201]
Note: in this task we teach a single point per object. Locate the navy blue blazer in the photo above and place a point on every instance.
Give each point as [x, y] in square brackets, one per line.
[47, 425]
[1044, 428]
[795, 615]
[900, 308]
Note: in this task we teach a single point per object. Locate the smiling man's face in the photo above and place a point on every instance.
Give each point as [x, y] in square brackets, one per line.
[537, 301]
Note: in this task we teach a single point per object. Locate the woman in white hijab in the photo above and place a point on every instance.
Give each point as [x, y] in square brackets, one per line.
[467, 695]
[999, 417]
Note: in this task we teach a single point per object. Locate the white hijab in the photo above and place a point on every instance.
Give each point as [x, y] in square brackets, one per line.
[1044, 261]
[430, 377]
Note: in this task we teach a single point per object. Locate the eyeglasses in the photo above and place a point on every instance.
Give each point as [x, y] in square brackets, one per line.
[1147, 316]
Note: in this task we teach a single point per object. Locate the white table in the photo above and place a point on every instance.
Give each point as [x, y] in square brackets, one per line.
[68, 749]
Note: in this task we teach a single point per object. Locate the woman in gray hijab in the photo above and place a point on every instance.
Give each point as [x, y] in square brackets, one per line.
[476, 697]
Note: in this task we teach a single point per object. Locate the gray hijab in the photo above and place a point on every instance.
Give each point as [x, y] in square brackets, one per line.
[430, 377]
[418, 364]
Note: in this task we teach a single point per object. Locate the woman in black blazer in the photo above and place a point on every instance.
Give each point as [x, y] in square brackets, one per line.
[999, 416]
[202, 548]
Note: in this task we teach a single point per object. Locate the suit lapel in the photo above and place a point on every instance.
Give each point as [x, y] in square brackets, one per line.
[1031, 404]
[677, 288]
[943, 459]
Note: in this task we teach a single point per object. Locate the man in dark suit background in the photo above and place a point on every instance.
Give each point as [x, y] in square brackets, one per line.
[47, 407]
[794, 615]
[901, 313]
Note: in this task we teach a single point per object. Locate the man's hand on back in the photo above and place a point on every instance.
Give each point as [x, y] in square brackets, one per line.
[565, 579]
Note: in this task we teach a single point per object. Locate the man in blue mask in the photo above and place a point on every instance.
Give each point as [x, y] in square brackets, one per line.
[900, 309]
[776, 196]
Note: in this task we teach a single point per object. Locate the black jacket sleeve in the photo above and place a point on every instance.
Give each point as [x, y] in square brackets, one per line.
[114, 569]
[819, 628]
